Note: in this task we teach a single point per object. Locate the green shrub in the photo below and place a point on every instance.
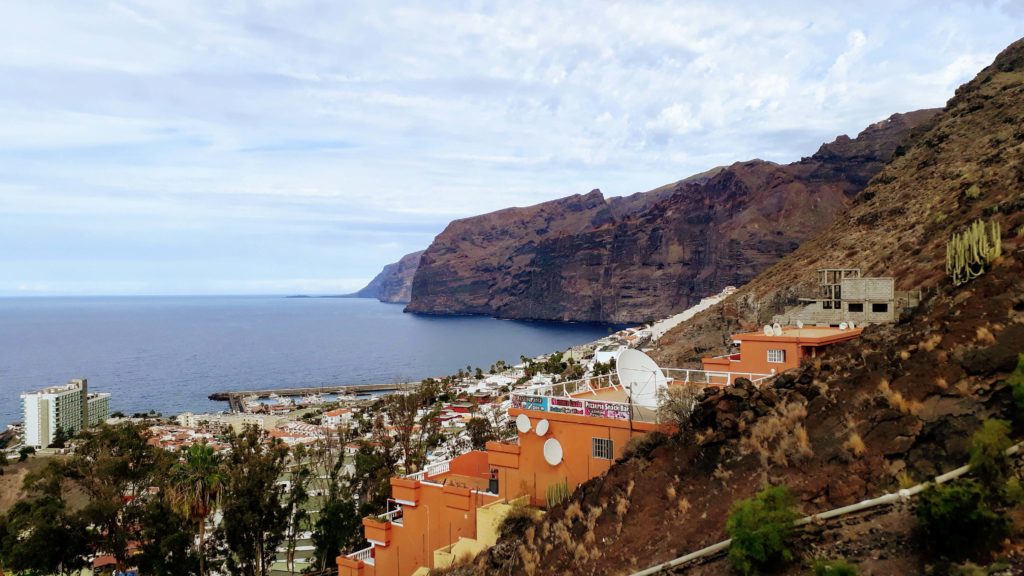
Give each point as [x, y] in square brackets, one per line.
[760, 528]
[958, 521]
[989, 462]
[837, 567]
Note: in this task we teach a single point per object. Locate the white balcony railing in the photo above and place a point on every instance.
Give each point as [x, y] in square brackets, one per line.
[571, 397]
[431, 470]
[366, 555]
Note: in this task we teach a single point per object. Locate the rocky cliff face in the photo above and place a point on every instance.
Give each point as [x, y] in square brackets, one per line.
[645, 256]
[394, 283]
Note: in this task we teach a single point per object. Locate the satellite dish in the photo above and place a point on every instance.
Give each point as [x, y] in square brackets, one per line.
[640, 377]
[542, 427]
[552, 452]
[768, 330]
[799, 324]
[852, 325]
[776, 329]
[843, 326]
[522, 423]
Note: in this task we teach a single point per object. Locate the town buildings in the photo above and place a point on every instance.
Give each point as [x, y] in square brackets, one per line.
[69, 407]
[566, 434]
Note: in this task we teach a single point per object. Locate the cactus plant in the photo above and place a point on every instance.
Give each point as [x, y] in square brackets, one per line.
[971, 251]
[557, 493]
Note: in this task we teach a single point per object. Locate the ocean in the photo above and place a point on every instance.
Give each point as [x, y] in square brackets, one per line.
[169, 353]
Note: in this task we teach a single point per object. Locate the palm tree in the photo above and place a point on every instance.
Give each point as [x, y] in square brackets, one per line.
[195, 489]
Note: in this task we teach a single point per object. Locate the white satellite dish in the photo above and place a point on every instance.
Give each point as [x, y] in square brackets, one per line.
[523, 423]
[542, 427]
[640, 377]
[799, 324]
[776, 329]
[852, 325]
[843, 326]
[768, 330]
[552, 452]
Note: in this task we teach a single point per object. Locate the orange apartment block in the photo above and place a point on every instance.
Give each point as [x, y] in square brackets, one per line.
[777, 352]
[452, 503]
[567, 433]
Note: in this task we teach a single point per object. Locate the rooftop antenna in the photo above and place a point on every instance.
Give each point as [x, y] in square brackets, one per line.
[776, 329]
[640, 377]
[768, 331]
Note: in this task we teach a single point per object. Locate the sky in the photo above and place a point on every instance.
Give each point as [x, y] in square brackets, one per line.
[283, 147]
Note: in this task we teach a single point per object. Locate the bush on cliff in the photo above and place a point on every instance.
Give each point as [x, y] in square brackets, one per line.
[760, 528]
[958, 520]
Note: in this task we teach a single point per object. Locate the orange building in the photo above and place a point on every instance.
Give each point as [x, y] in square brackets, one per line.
[785, 348]
[567, 434]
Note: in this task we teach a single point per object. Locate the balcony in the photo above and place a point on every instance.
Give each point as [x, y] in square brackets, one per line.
[605, 397]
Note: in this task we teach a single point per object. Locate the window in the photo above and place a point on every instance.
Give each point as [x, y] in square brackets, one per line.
[880, 308]
[777, 356]
[827, 305]
[855, 307]
[602, 448]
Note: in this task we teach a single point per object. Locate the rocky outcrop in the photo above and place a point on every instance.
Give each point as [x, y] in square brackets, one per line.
[394, 283]
[645, 256]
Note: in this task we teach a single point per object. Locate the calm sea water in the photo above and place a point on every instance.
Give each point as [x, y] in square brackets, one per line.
[169, 353]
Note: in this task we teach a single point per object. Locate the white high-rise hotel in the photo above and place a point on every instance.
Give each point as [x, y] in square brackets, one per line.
[69, 407]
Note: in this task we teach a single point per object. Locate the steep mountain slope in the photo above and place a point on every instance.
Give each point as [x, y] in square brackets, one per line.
[588, 258]
[394, 283]
[912, 392]
[965, 163]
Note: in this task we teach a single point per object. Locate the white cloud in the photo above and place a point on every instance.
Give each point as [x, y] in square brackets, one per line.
[288, 118]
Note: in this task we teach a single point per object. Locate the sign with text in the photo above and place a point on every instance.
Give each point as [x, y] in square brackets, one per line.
[612, 410]
[529, 402]
[566, 406]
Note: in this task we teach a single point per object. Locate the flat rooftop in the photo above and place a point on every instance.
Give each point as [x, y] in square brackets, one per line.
[811, 335]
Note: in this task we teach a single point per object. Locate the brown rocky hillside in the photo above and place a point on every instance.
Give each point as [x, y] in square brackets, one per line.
[898, 405]
[966, 163]
[588, 258]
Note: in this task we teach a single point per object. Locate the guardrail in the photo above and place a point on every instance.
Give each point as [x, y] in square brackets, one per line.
[711, 377]
[570, 397]
[393, 516]
[431, 470]
[574, 386]
[366, 555]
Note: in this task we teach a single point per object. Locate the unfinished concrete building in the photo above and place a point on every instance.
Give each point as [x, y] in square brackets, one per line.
[846, 296]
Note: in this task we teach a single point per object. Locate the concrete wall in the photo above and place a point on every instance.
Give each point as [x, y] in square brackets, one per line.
[523, 469]
[869, 289]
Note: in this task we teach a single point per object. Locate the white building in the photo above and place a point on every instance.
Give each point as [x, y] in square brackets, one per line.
[69, 407]
[335, 418]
